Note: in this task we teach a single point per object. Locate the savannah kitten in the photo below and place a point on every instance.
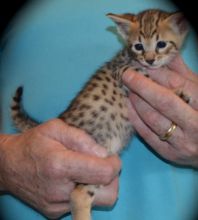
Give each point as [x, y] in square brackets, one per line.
[153, 38]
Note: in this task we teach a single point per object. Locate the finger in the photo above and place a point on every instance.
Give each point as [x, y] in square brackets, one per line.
[55, 211]
[180, 149]
[58, 191]
[79, 140]
[167, 77]
[162, 148]
[74, 139]
[82, 168]
[155, 121]
[107, 195]
[187, 89]
[159, 97]
[179, 66]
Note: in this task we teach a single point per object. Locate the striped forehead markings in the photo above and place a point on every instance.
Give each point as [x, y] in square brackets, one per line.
[148, 25]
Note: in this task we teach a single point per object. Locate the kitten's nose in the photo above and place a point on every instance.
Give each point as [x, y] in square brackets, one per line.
[150, 61]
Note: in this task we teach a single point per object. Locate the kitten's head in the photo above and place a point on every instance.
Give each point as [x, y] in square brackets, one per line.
[153, 36]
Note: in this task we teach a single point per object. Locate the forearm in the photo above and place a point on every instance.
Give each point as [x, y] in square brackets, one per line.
[6, 143]
[3, 140]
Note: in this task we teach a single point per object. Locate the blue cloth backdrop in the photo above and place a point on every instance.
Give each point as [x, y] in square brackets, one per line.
[51, 48]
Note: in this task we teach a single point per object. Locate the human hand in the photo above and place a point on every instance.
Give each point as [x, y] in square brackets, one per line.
[154, 106]
[42, 165]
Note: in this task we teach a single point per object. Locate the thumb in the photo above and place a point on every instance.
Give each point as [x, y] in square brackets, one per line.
[74, 138]
[128, 77]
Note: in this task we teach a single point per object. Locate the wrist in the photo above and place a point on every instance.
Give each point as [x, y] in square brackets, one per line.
[4, 139]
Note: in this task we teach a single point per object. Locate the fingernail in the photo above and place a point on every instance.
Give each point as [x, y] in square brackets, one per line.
[128, 75]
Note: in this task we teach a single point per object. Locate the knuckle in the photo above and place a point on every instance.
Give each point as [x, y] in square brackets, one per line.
[176, 81]
[53, 211]
[190, 151]
[53, 167]
[108, 175]
[54, 124]
[165, 102]
[173, 158]
[52, 214]
[186, 154]
[192, 124]
[112, 199]
[187, 145]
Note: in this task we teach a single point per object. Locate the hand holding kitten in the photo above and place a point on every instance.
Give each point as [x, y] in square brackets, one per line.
[42, 165]
[154, 105]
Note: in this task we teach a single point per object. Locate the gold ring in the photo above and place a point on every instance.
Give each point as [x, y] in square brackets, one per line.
[169, 132]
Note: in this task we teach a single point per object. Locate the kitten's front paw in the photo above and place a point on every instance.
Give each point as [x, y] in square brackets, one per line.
[141, 71]
[183, 96]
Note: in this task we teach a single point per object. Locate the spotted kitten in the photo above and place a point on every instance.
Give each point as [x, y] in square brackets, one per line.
[153, 38]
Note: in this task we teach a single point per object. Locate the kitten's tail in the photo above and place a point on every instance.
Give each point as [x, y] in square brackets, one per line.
[21, 119]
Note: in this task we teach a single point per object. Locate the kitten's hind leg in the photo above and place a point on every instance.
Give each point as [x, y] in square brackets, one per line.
[81, 201]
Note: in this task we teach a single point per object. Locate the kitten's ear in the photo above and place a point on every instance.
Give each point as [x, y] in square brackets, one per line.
[178, 22]
[124, 23]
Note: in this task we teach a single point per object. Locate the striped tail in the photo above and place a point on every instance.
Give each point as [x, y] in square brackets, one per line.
[22, 121]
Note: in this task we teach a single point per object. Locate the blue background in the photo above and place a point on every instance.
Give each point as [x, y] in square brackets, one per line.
[51, 48]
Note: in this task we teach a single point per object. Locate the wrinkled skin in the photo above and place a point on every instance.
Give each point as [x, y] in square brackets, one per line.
[42, 165]
[154, 105]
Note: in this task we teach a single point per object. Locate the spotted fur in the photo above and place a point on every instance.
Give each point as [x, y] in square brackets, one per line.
[153, 38]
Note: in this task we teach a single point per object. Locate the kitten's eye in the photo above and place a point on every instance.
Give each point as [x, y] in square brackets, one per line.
[139, 47]
[161, 44]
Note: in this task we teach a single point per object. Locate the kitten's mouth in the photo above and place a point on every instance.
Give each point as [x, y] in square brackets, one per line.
[149, 66]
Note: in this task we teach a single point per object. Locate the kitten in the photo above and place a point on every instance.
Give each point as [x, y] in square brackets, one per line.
[153, 38]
